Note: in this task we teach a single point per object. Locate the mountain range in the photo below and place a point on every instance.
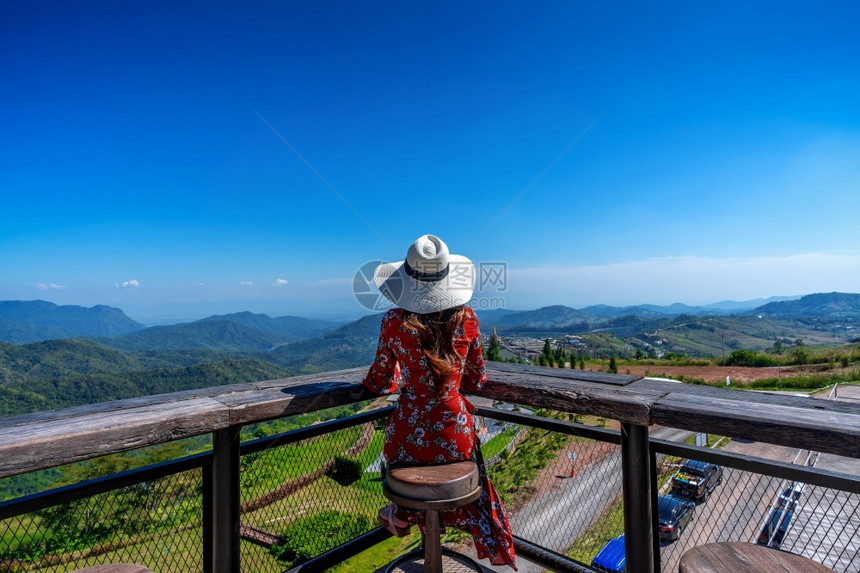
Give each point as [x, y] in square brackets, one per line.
[101, 354]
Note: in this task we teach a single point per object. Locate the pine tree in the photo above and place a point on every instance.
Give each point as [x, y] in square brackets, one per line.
[547, 354]
[559, 355]
[581, 363]
[613, 366]
[494, 349]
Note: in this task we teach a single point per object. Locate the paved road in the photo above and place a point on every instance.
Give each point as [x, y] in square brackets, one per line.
[564, 513]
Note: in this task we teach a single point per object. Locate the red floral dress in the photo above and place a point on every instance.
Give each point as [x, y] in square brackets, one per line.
[427, 427]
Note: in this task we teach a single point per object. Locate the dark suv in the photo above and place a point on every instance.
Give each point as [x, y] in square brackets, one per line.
[696, 480]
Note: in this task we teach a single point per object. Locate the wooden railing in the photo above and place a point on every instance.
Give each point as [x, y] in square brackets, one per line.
[48, 439]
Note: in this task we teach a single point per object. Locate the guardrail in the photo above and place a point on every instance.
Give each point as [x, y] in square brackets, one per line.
[48, 439]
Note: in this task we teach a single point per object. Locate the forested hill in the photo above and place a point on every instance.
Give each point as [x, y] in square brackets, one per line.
[78, 389]
[36, 320]
[351, 345]
[240, 332]
[829, 306]
[27, 363]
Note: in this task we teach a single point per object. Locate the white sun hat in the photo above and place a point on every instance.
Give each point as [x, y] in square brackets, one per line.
[429, 280]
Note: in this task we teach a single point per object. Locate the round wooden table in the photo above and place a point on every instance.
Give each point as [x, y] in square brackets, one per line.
[745, 558]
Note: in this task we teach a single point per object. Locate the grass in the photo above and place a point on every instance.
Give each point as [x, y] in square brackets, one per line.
[499, 442]
[606, 527]
[379, 555]
[266, 470]
[514, 475]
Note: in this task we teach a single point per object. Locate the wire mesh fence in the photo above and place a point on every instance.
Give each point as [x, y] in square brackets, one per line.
[819, 523]
[156, 523]
[305, 493]
[302, 499]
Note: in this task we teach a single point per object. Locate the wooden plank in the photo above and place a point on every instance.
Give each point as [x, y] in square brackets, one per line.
[258, 405]
[570, 395]
[563, 373]
[735, 393]
[352, 375]
[800, 427]
[49, 443]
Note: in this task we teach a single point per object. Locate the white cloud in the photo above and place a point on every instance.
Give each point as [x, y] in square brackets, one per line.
[280, 282]
[128, 284]
[688, 279]
[246, 283]
[49, 286]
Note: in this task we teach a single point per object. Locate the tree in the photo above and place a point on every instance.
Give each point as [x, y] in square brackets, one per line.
[548, 356]
[581, 363]
[494, 349]
[613, 365]
[559, 355]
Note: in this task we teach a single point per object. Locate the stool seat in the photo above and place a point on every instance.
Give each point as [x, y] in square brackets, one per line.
[745, 557]
[432, 488]
[438, 487]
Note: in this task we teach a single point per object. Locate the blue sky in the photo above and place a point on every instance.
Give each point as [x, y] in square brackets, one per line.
[181, 159]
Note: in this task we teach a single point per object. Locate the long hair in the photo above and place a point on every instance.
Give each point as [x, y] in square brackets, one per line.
[436, 332]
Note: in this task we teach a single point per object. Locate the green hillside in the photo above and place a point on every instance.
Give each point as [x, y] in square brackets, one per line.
[548, 317]
[826, 306]
[54, 358]
[353, 344]
[73, 390]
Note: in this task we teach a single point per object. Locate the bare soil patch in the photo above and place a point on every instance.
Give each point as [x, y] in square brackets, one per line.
[739, 374]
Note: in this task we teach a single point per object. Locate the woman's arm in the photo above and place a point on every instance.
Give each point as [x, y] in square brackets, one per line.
[474, 374]
[385, 371]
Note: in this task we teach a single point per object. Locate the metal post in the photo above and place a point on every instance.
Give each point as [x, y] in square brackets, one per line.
[208, 529]
[638, 518]
[655, 519]
[224, 500]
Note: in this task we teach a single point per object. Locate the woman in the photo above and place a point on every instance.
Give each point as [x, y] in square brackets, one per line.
[432, 340]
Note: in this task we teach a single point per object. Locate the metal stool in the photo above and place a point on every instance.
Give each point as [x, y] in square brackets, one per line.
[732, 556]
[432, 489]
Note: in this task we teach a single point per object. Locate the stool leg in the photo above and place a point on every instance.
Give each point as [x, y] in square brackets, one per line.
[432, 543]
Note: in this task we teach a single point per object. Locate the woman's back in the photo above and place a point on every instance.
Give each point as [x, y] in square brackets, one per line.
[432, 418]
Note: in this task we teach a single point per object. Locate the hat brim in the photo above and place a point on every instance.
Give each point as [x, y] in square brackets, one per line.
[424, 297]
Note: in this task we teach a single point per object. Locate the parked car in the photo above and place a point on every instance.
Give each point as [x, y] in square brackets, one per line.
[696, 480]
[610, 559]
[674, 514]
[775, 527]
[790, 495]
